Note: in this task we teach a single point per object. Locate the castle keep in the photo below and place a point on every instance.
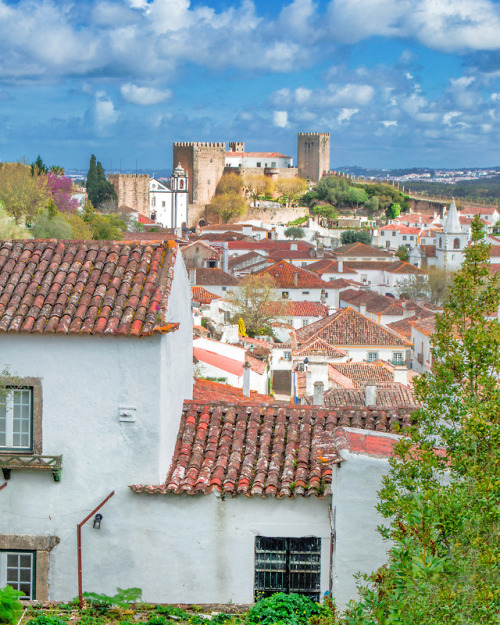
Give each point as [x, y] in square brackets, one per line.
[132, 191]
[313, 154]
[204, 164]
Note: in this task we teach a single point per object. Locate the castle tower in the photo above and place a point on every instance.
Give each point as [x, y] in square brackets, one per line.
[451, 242]
[313, 154]
[204, 164]
[236, 146]
[132, 190]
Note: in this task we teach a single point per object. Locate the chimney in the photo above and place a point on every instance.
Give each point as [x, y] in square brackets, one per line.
[319, 394]
[295, 278]
[293, 247]
[401, 374]
[246, 379]
[225, 256]
[178, 233]
[192, 276]
[340, 265]
[371, 395]
[362, 309]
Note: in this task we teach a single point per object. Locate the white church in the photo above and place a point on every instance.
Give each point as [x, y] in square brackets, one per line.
[168, 204]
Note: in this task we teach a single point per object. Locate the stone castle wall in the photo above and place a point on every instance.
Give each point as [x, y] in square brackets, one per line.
[313, 154]
[204, 163]
[132, 191]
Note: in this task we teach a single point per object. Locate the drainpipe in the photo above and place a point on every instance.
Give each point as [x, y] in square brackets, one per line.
[3, 485]
[79, 546]
[331, 518]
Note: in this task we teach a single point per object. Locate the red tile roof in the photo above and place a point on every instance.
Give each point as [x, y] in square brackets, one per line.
[268, 244]
[85, 287]
[304, 309]
[360, 249]
[213, 276]
[478, 211]
[257, 154]
[269, 451]
[287, 275]
[142, 219]
[426, 325]
[202, 295]
[348, 327]
[357, 374]
[150, 237]
[224, 363]
[388, 396]
[318, 346]
[215, 393]
[429, 250]
[401, 228]
[328, 265]
[374, 302]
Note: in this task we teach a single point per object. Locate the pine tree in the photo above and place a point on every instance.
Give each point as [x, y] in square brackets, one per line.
[93, 182]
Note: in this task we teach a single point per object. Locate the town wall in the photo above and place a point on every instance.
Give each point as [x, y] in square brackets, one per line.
[313, 154]
[204, 163]
[275, 173]
[132, 191]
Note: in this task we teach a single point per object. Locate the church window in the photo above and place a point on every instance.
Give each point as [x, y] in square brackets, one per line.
[153, 201]
[163, 204]
[456, 244]
[181, 184]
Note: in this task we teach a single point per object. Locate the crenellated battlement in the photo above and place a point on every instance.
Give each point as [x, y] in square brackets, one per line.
[313, 134]
[200, 144]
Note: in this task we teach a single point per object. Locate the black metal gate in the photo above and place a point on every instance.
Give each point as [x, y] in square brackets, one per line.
[287, 565]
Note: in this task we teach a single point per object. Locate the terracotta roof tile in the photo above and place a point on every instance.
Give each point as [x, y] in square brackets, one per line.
[360, 249]
[202, 295]
[85, 287]
[215, 392]
[267, 450]
[348, 327]
[318, 346]
[287, 275]
[427, 325]
[358, 374]
[328, 265]
[374, 302]
[392, 395]
[213, 276]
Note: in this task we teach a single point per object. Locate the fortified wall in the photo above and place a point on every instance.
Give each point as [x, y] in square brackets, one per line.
[313, 154]
[274, 173]
[204, 163]
[132, 191]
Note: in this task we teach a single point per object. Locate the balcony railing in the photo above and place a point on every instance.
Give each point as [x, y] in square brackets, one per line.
[33, 462]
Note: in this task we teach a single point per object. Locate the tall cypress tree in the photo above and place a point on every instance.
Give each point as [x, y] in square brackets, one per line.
[93, 182]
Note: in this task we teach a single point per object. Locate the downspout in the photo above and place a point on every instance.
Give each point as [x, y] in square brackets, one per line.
[332, 541]
[79, 546]
[3, 485]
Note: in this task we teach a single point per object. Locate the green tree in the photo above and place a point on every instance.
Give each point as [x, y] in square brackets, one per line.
[99, 190]
[325, 210]
[356, 196]
[432, 287]
[290, 188]
[104, 227]
[355, 236]
[22, 194]
[256, 185]
[229, 184]
[9, 229]
[402, 253]
[51, 224]
[372, 206]
[441, 497]
[256, 303]
[38, 168]
[228, 206]
[294, 232]
[92, 183]
[393, 211]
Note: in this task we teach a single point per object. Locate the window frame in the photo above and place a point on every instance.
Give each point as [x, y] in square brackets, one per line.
[35, 385]
[289, 556]
[370, 358]
[4, 553]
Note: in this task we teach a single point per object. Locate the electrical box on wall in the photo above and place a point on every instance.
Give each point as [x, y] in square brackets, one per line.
[127, 414]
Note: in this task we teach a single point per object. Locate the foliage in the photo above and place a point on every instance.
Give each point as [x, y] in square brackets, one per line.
[122, 598]
[22, 194]
[402, 253]
[60, 189]
[256, 185]
[228, 206]
[325, 210]
[441, 497]
[393, 211]
[294, 232]
[80, 229]
[356, 196]
[242, 331]
[99, 190]
[10, 606]
[104, 227]
[38, 168]
[355, 236]
[299, 221]
[9, 229]
[290, 188]
[229, 184]
[432, 287]
[292, 609]
[48, 619]
[51, 224]
[372, 206]
[255, 302]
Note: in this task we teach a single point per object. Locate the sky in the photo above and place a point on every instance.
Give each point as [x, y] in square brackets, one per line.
[396, 83]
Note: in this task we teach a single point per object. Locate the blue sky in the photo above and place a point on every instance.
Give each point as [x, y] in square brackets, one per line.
[397, 83]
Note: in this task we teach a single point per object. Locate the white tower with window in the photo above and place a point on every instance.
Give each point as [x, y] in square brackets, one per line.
[451, 242]
[169, 204]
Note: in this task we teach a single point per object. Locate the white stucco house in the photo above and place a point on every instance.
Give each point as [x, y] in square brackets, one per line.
[196, 496]
[169, 203]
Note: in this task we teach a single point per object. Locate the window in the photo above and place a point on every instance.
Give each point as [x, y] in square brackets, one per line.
[153, 201]
[16, 419]
[287, 565]
[456, 244]
[393, 234]
[398, 358]
[17, 569]
[372, 356]
[163, 204]
[287, 355]
[305, 292]
[382, 233]
[404, 237]
[273, 163]
[305, 322]
[224, 288]
[227, 316]
[258, 164]
[411, 237]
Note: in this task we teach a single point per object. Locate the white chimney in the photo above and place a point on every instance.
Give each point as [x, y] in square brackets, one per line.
[319, 394]
[192, 276]
[401, 374]
[293, 247]
[340, 265]
[371, 395]
[362, 309]
[246, 379]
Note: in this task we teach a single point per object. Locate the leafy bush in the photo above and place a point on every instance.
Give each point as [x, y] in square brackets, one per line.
[101, 603]
[48, 619]
[10, 606]
[292, 609]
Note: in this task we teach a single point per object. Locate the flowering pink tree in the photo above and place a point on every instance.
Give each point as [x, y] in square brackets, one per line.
[61, 189]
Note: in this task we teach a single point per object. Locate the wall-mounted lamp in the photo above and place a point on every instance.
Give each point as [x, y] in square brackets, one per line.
[97, 521]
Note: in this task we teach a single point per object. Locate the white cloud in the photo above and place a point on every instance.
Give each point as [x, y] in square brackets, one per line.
[280, 119]
[388, 123]
[346, 114]
[450, 116]
[105, 113]
[144, 96]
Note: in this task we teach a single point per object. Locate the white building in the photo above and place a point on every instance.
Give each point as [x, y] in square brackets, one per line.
[169, 204]
[264, 160]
